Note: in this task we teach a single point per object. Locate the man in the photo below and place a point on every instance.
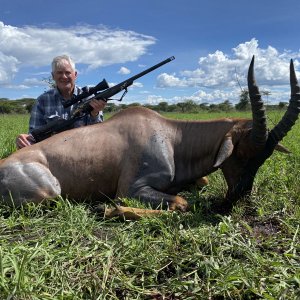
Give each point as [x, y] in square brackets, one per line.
[49, 105]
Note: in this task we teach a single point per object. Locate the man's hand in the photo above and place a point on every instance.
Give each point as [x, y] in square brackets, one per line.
[97, 105]
[24, 140]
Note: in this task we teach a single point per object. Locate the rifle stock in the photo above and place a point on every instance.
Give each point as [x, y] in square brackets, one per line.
[51, 128]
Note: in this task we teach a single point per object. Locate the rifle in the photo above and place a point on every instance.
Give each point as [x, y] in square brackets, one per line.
[100, 91]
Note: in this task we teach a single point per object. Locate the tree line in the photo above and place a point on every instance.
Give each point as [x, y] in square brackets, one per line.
[20, 106]
[24, 105]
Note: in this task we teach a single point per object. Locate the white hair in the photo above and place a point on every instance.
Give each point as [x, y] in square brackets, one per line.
[61, 60]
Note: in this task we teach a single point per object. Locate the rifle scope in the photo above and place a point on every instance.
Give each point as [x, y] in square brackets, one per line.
[87, 91]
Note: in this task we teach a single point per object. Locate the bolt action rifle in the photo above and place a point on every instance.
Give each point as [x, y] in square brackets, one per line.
[100, 91]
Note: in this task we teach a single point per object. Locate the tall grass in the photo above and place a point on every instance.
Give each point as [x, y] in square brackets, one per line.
[66, 250]
[10, 127]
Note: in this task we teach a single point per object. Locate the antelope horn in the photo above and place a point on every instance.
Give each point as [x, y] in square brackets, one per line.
[259, 131]
[245, 184]
[292, 112]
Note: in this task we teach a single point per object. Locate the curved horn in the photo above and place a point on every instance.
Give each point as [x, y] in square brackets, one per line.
[259, 132]
[291, 115]
[245, 183]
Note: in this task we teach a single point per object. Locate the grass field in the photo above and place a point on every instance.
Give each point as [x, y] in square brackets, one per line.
[66, 250]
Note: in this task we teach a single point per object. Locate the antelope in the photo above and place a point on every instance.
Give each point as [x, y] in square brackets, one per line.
[138, 153]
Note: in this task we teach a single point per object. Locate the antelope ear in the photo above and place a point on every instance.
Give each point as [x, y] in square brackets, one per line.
[225, 151]
[279, 147]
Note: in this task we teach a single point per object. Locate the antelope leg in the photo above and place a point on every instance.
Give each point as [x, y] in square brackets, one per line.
[130, 213]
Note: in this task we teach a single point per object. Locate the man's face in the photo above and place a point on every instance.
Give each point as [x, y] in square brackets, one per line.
[64, 77]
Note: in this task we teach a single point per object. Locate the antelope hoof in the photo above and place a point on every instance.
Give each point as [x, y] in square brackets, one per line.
[178, 204]
[201, 182]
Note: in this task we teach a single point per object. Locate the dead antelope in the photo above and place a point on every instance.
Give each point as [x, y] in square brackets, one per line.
[140, 154]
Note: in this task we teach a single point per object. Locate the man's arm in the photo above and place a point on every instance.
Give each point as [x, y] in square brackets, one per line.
[36, 119]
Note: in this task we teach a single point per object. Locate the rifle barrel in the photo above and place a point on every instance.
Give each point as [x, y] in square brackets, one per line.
[151, 68]
[105, 95]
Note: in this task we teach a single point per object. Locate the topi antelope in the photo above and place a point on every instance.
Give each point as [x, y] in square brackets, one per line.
[140, 154]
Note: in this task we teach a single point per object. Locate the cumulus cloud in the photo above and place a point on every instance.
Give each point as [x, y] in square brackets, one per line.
[219, 70]
[153, 99]
[124, 71]
[33, 82]
[93, 46]
[201, 96]
[219, 75]
[137, 84]
[215, 78]
[8, 67]
[167, 80]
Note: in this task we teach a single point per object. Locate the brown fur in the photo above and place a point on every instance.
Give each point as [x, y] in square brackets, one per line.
[137, 153]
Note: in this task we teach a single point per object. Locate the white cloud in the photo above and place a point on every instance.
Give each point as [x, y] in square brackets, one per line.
[218, 70]
[153, 99]
[124, 71]
[167, 80]
[201, 96]
[216, 76]
[219, 75]
[8, 67]
[34, 82]
[137, 84]
[93, 46]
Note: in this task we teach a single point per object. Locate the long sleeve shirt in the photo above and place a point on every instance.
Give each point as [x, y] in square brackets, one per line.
[49, 106]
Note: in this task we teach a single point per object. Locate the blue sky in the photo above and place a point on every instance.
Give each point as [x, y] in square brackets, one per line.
[212, 41]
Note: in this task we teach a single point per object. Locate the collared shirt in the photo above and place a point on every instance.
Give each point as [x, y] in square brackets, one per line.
[49, 106]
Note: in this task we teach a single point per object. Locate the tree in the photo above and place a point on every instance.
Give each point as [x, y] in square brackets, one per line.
[203, 106]
[6, 108]
[181, 106]
[266, 93]
[172, 107]
[134, 104]
[29, 106]
[225, 106]
[111, 107]
[49, 81]
[191, 106]
[163, 106]
[150, 106]
[282, 105]
[244, 103]
[123, 106]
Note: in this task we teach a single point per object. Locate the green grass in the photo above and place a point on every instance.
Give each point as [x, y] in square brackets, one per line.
[66, 250]
[10, 127]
